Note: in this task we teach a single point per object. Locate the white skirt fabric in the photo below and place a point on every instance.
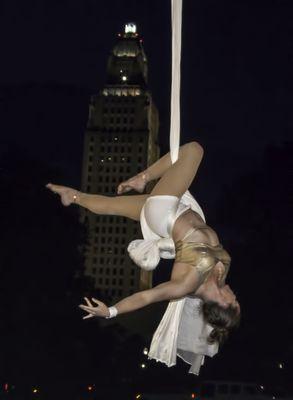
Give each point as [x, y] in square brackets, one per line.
[183, 332]
[157, 219]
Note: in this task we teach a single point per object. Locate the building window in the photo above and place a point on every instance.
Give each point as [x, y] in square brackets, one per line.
[208, 390]
[250, 390]
[223, 389]
[235, 389]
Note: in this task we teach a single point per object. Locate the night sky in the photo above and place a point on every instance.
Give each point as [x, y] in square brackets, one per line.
[236, 101]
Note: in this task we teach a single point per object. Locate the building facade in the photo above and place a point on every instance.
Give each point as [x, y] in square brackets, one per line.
[120, 141]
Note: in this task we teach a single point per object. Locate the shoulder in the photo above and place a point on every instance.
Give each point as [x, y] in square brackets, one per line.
[186, 275]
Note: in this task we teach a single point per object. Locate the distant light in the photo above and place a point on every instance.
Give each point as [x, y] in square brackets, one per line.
[262, 387]
[121, 70]
[124, 78]
[193, 395]
[274, 398]
[141, 40]
[110, 158]
[142, 366]
[35, 390]
[130, 28]
[138, 396]
[6, 386]
[119, 34]
[281, 365]
[145, 351]
[90, 388]
[115, 138]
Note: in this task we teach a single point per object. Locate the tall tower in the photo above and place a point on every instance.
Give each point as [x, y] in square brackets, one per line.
[120, 141]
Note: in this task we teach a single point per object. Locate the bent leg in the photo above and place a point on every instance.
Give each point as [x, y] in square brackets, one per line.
[177, 178]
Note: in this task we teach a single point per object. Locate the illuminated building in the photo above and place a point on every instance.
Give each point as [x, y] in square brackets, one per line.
[120, 141]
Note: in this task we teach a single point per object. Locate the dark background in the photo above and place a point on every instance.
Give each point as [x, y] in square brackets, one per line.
[236, 101]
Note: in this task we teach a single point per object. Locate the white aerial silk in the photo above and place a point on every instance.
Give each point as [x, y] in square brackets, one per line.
[176, 15]
[182, 331]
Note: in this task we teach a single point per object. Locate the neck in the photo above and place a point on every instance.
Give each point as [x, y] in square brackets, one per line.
[207, 291]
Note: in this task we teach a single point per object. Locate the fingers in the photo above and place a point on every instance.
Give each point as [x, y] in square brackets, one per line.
[88, 302]
[88, 316]
[87, 308]
[96, 301]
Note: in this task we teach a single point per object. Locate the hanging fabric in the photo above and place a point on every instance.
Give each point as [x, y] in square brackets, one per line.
[176, 16]
[182, 331]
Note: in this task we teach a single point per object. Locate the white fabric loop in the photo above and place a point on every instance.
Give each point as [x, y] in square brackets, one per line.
[147, 253]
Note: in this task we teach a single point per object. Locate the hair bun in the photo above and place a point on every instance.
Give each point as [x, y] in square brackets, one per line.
[218, 335]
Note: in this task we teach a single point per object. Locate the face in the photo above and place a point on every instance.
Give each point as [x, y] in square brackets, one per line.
[226, 297]
[218, 291]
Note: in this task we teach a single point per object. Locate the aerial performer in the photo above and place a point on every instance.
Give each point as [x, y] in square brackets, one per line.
[202, 308]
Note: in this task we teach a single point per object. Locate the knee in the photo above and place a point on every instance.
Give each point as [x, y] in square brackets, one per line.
[196, 148]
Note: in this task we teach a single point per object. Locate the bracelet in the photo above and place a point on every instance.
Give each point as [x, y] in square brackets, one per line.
[113, 312]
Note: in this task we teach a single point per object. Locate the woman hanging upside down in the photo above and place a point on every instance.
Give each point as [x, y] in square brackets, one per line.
[173, 226]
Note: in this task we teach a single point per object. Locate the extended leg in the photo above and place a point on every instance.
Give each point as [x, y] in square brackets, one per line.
[126, 206]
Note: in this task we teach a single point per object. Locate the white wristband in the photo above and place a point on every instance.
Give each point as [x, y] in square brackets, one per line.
[113, 312]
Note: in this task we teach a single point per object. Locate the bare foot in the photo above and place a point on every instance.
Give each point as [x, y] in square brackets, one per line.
[136, 183]
[68, 195]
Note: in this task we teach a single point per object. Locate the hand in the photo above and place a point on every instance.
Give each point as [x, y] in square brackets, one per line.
[137, 183]
[68, 195]
[101, 310]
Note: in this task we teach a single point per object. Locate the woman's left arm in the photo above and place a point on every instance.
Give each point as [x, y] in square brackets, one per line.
[174, 289]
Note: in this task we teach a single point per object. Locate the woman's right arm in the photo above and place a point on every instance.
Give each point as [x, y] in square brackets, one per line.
[165, 291]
